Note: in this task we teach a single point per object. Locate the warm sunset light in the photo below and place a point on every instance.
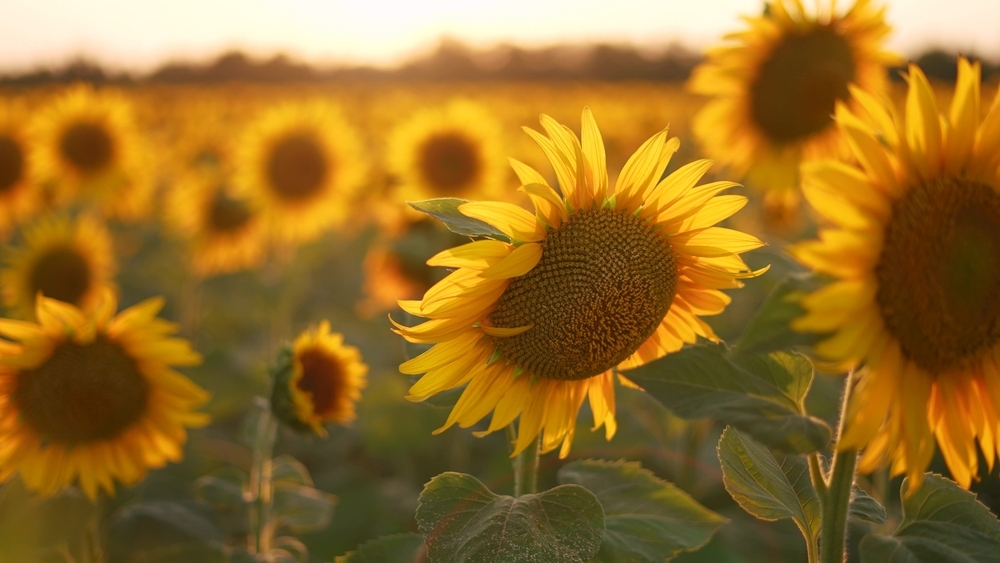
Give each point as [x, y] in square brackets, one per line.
[141, 35]
[499, 281]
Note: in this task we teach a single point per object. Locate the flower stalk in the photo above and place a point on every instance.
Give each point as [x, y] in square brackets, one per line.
[525, 465]
[260, 497]
[835, 491]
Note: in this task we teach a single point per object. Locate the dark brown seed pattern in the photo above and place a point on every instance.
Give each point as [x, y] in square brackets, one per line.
[63, 274]
[87, 146]
[795, 90]
[450, 163]
[83, 393]
[297, 167]
[939, 273]
[604, 283]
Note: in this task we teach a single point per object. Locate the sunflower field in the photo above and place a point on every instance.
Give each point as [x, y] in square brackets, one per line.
[750, 317]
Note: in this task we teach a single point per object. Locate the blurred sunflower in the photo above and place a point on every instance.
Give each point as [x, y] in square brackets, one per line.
[318, 379]
[301, 165]
[91, 399]
[395, 265]
[87, 149]
[18, 196]
[774, 86]
[595, 280]
[451, 151]
[915, 247]
[225, 232]
[67, 260]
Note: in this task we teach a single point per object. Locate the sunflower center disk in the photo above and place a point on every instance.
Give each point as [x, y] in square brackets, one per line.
[11, 163]
[62, 274]
[449, 162]
[83, 393]
[297, 168]
[939, 273]
[796, 88]
[227, 215]
[87, 146]
[323, 376]
[603, 285]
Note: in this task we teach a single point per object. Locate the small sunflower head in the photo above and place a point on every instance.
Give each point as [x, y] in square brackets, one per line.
[317, 379]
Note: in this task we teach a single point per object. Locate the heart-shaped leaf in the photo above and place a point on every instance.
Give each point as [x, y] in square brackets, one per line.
[760, 395]
[941, 522]
[464, 522]
[647, 520]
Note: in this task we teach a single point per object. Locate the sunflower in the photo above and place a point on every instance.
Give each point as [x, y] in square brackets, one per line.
[451, 151]
[394, 267]
[318, 379]
[66, 260]
[595, 280]
[914, 245]
[18, 196]
[91, 399]
[87, 148]
[226, 233]
[773, 88]
[302, 165]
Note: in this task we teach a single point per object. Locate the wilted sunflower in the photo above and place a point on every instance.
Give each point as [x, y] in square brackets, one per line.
[18, 196]
[595, 279]
[67, 260]
[302, 165]
[450, 151]
[773, 88]
[91, 399]
[87, 148]
[225, 232]
[915, 247]
[318, 379]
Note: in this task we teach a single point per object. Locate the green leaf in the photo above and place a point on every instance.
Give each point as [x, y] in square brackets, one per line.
[767, 487]
[400, 548]
[770, 328]
[647, 520]
[287, 469]
[941, 522]
[865, 508]
[166, 531]
[445, 209]
[220, 492]
[761, 395]
[464, 522]
[302, 508]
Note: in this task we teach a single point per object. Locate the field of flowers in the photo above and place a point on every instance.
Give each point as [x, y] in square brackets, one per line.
[398, 321]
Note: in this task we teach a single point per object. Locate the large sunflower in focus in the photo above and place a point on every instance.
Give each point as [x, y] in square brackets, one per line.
[596, 279]
[18, 196]
[914, 242]
[774, 85]
[87, 149]
[92, 399]
[302, 165]
[67, 260]
[226, 232]
[450, 151]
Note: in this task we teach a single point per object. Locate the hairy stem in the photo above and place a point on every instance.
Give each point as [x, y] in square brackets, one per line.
[525, 465]
[261, 493]
[838, 491]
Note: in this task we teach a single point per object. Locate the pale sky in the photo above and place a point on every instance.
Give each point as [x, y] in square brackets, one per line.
[139, 35]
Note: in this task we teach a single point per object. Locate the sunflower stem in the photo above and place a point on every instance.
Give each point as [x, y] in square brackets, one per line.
[836, 501]
[525, 465]
[261, 482]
